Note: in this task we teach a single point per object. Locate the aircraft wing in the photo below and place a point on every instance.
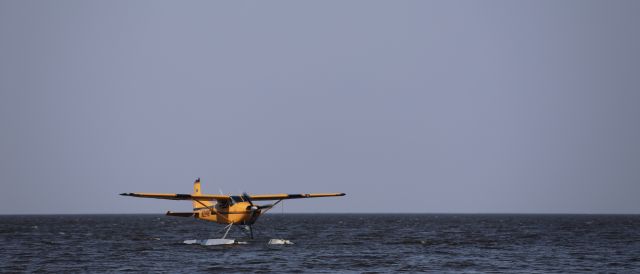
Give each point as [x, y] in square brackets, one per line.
[173, 196]
[265, 197]
[211, 197]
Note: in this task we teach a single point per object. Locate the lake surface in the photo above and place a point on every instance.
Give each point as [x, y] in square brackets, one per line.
[325, 243]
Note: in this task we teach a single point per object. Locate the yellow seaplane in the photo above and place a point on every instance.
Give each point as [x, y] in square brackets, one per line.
[227, 209]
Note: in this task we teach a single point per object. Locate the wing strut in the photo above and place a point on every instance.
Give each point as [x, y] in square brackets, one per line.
[212, 210]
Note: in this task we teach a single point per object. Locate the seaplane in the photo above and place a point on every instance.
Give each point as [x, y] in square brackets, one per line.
[227, 209]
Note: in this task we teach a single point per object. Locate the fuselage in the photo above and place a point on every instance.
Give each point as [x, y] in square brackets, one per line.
[223, 213]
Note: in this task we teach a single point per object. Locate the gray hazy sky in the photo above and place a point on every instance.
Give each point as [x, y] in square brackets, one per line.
[407, 106]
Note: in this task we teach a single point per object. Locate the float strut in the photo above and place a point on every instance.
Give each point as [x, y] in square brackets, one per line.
[227, 232]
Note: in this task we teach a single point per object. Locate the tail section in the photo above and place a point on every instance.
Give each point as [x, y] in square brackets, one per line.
[196, 187]
[197, 205]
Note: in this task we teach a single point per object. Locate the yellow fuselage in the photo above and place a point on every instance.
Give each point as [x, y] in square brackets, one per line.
[238, 213]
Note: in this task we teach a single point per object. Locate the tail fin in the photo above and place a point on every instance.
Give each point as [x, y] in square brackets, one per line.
[196, 187]
[197, 191]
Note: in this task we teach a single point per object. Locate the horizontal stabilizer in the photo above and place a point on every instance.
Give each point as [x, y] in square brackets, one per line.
[180, 214]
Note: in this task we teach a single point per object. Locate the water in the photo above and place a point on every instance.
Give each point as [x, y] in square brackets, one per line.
[325, 243]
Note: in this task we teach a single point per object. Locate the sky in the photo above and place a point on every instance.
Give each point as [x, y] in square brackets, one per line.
[406, 106]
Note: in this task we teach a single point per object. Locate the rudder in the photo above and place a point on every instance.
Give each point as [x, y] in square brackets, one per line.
[198, 191]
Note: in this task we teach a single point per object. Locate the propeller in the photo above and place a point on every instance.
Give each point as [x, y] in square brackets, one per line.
[247, 198]
[254, 207]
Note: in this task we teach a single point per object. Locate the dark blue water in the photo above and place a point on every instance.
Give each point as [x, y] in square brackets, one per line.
[325, 243]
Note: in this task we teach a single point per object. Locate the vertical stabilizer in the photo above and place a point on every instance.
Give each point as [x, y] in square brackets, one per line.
[198, 191]
[196, 187]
